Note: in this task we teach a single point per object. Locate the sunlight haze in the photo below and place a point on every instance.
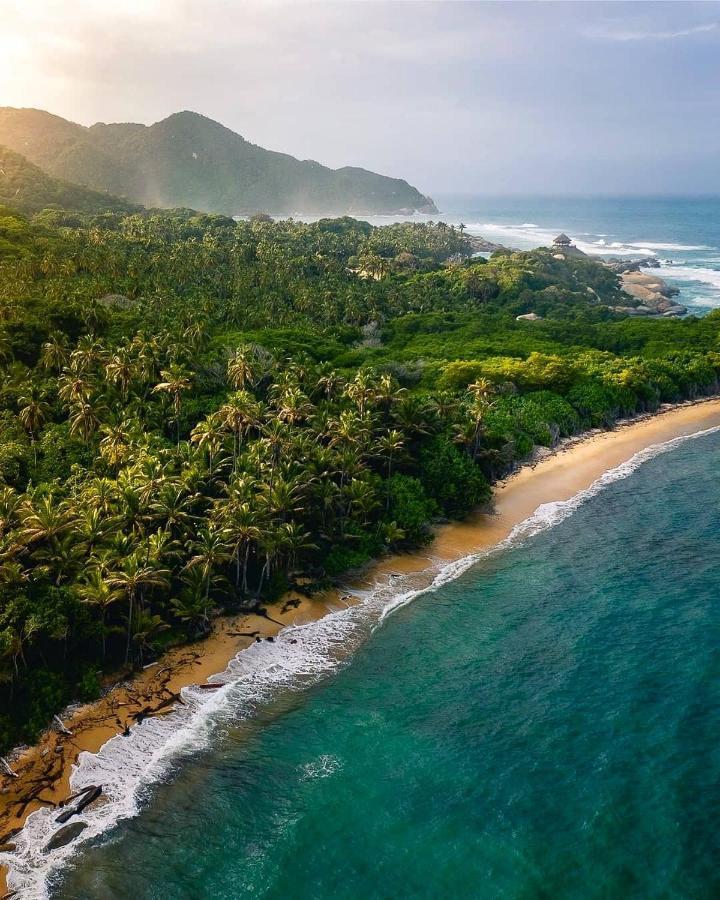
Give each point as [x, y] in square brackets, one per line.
[513, 97]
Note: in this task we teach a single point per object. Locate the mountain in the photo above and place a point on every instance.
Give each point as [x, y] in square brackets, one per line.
[189, 160]
[27, 188]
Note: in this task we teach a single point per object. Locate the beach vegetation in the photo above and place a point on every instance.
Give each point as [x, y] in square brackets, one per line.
[196, 413]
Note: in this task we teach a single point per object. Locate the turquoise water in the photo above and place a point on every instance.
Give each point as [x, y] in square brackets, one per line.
[545, 726]
[681, 233]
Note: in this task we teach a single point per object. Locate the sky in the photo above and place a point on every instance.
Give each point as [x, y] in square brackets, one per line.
[470, 97]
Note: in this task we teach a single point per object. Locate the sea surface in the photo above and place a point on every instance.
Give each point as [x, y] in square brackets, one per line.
[681, 233]
[543, 723]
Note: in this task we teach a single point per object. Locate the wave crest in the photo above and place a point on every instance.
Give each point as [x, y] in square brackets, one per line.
[300, 656]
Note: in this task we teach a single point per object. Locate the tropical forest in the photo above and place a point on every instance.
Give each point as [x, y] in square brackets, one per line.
[197, 413]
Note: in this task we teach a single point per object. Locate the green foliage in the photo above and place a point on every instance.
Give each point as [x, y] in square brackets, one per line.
[194, 411]
[28, 189]
[450, 478]
[187, 160]
[410, 507]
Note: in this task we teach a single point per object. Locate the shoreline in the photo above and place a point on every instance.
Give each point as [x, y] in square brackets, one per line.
[44, 769]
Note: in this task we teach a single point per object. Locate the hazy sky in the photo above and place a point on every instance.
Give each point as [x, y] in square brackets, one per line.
[467, 96]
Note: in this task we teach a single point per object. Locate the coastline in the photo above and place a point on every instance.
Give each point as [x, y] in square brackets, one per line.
[44, 769]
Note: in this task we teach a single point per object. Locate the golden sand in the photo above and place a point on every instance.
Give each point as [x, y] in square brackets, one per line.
[44, 770]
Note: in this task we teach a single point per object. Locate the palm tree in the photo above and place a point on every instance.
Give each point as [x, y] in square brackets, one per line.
[132, 578]
[176, 381]
[54, 353]
[243, 529]
[33, 414]
[293, 539]
[208, 434]
[210, 551]
[84, 420]
[361, 390]
[389, 446]
[145, 629]
[241, 414]
[480, 403]
[192, 607]
[243, 367]
[121, 370]
[73, 387]
[95, 591]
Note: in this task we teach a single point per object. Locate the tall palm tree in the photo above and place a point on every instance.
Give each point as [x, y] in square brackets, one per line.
[243, 524]
[33, 414]
[210, 551]
[54, 353]
[84, 420]
[132, 578]
[121, 370]
[96, 592]
[208, 435]
[243, 367]
[176, 381]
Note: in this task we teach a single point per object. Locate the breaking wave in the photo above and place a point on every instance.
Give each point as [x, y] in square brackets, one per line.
[300, 656]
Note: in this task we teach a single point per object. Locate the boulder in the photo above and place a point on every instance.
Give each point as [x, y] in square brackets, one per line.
[63, 836]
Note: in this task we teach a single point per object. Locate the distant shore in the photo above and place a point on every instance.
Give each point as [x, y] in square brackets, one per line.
[44, 770]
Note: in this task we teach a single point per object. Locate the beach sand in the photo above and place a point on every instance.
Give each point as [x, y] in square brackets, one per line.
[44, 770]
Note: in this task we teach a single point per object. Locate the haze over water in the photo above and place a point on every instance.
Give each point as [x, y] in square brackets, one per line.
[544, 726]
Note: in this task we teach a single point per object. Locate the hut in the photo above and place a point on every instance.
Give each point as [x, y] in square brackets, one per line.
[562, 241]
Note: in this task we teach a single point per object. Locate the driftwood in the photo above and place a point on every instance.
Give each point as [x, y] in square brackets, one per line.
[61, 726]
[8, 768]
[261, 611]
[210, 687]
[6, 838]
[251, 634]
[90, 795]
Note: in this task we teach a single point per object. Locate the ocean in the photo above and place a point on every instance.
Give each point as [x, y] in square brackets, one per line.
[542, 723]
[681, 233]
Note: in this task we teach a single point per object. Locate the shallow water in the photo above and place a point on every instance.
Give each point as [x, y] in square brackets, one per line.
[544, 726]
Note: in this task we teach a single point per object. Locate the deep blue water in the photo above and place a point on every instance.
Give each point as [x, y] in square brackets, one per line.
[545, 726]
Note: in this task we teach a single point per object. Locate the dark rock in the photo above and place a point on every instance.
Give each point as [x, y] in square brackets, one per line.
[63, 836]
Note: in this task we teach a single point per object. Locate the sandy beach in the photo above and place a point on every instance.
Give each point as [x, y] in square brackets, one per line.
[44, 770]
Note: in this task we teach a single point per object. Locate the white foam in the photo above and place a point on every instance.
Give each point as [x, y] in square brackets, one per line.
[300, 656]
[692, 273]
[668, 246]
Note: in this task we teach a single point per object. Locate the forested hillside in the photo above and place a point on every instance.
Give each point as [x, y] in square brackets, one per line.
[28, 189]
[188, 160]
[194, 412]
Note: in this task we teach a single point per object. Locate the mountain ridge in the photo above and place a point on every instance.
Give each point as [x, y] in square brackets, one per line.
[190, 160]
[27, 188]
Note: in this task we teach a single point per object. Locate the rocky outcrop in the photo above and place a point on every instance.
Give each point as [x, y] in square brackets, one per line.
[481, 245]
[653, 293]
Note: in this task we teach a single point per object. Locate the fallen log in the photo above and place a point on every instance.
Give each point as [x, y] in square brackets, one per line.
[61, 726]
[90, 796]
[210, 687]
[8, 768]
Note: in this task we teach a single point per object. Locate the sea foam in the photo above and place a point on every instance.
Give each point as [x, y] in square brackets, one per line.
[300, 656]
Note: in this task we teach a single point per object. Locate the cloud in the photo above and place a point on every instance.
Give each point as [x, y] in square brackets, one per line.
[609, 33]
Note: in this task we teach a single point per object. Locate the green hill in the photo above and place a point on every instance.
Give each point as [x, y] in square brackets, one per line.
[189, 160]
[27, 188]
